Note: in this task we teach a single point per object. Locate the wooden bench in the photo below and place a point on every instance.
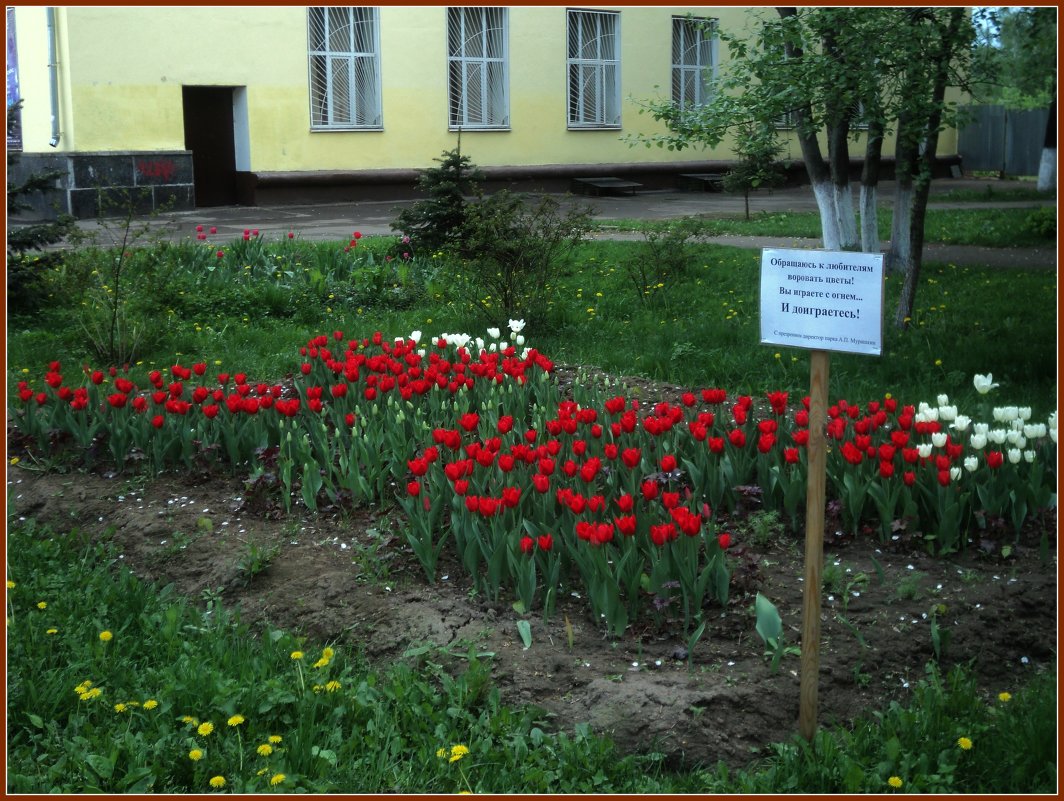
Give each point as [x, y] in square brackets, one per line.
[595, 186]
[706, 181]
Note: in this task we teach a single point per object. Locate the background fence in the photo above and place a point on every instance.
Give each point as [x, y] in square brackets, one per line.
[1003, 140]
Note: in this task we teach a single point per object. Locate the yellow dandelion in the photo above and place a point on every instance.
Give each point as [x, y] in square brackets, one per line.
[964, 743]
[274, 738]
[332, 686]
[42, 604]
[105, 636]
[235, 720]
[938, 362]
[264, 750]
[276, 779]
[457, 752]
[297, 654]
[329, 653]
[52, 631]
[205, 728]
[120, 708]
[11, 585]
[217, 781]
[151, 703]
[895, 782]
[441, 752]
[195, 755]
[323, 662]
[1004, 697]
[14, 460]
[189, 719]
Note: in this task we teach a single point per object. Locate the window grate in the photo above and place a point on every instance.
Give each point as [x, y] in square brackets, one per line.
[694, 60]
[594, 69]
[344, 66]
[477, 67]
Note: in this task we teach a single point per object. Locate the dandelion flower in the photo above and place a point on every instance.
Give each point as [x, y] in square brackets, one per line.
[151, 703]
[1004, 697]
[120, 708]
[217, 781]
[457, 752]
[205, 728]
[297, 654]
[332, 686]
[964, 743]
[195, 755]
[105, 636]
[895, 782]
[274, 738]
[52, 631]
[276, 779]
[441, 752]
[235, 720]
[189, 719]
[42, 604]
[11, 585]
[264, 750]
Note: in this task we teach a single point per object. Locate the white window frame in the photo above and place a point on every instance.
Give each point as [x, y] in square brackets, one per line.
[345, 86]
[478, 68]
[694, 59]
[593, 70]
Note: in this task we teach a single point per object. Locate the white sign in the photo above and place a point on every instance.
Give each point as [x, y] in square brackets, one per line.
[822, 300]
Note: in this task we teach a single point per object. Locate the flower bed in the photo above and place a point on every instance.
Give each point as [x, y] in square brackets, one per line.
[538, 495]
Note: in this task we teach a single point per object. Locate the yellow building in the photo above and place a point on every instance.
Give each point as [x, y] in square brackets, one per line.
[222, 105]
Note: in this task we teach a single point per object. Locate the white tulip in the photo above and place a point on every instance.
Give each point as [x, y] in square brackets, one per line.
[924, 449]
[1004, 414]
[421, 352]
[977, 442]
[1014, 455]
[961, 422]
[947, 413]
[1024, 413]
[416, 336]
[480, 344]
[503, 345]
[971, 463]
[517, 326]
[997, 435]
[493, 333]
[519, 339]
[984, 383]
[1034, 430]
[1029, 456]
[938, 439]
[980, 428]
[955, 473]
[943, 400]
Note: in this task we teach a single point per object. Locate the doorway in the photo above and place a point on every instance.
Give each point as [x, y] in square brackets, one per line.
[209, 134]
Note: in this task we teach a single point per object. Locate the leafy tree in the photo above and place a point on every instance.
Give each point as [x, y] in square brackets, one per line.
[758, 148]
[836, 72]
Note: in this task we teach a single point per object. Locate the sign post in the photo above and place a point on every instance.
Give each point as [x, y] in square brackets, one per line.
[823, 301]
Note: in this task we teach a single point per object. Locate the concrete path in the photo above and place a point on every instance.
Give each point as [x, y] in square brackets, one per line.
[339, 221]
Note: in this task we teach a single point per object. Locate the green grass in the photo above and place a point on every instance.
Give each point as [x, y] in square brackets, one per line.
[169, 667]
[1009, 227]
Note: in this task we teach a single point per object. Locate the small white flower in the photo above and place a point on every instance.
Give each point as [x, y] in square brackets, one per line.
[517, 326]
[971, 463]
[924, 449]
[984, 383]
[1029, 456]
[938, 439]
[493, 333]
[977, 442]
[943, 400]
[997, 435]
[1014, 455]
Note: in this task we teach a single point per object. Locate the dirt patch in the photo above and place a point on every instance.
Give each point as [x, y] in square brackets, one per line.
[349, 577]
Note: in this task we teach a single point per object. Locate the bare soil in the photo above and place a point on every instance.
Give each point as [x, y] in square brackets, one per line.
[347, 576]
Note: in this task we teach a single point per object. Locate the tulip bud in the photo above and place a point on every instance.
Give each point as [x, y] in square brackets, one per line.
[1014, 455]
[1029, 456]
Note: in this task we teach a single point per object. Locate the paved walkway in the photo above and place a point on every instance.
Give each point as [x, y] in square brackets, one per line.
[338, 221]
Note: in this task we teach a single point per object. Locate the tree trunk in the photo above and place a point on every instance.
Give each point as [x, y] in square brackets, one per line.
[1047, 168]
[922, 188]
[869, 184]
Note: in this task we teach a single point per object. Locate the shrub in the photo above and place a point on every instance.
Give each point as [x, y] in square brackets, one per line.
[438, 220]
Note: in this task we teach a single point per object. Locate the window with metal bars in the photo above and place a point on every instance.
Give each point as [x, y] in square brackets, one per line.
[694, 59]
[344, 64]
[477, 67]
[594, 65]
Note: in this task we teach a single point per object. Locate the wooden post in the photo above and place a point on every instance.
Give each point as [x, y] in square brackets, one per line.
[819, 367]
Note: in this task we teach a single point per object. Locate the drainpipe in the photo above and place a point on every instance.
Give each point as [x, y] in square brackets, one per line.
[53, 77]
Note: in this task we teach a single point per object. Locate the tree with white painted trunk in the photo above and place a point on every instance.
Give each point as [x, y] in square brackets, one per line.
[841, 75]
